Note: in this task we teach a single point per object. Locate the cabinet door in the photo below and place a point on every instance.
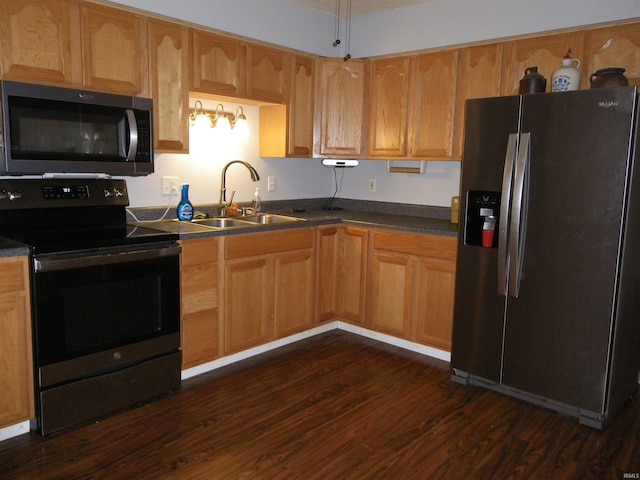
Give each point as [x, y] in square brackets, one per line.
[16, 374]
[343, 86]
[217, 64]
[545, 52]
[36, 39]
[617, 46]
[479, 76]
[247, 304]
[267, 74]
[432, 105]
[389, 91]
[294, 293]
[113, 46]
[352, 274]
[327, 273]
[389, 294]
[435, 302]
[169, 65]
[199, 297]
[301, 94]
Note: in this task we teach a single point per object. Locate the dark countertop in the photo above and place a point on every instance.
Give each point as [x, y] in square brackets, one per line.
[407, 223]
[408, 218]
[9, 248]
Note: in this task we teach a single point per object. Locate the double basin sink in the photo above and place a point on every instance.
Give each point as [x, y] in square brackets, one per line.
[223, 223]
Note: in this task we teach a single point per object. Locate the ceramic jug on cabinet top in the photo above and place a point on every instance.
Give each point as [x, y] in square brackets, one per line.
[567, 77]
[532, 82]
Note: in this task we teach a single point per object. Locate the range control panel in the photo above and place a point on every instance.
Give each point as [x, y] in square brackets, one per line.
[51, 193]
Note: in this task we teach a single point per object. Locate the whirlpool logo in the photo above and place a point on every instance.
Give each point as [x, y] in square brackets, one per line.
[85, 96]
[609, 104]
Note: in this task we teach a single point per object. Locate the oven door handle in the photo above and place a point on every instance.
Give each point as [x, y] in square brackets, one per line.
[75, 260]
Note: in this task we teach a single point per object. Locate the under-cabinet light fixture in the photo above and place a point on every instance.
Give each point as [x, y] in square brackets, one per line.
[217, 117]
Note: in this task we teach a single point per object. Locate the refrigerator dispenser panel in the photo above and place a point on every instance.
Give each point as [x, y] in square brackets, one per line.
[482, 219]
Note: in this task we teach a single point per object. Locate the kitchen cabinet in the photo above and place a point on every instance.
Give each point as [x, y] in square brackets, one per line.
[479, 76]
[267, 73]
[169, 73]
[199, 301]
[389, 96]
[217, 64]
[269, 281]
[341, 119]
[114, 45]
[36, 39]
[545, 52]
[411, 286]
[616, 46]
[328, 261]
[301, 102]
[352, 273]
[16, 360]
[287, 130]
[432, 106]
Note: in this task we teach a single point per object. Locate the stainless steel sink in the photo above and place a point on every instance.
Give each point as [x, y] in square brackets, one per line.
[223, 222]
[270, 219]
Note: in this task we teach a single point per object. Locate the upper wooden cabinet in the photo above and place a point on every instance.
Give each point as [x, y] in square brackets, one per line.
[300, 106]
[217, 64]
[169, 67]
[267, 74]
[113, 46]
[341, 118]
[287, 130]
[36, 39]
[432, 106]
[545, 52]
[617, 46]
[389, 96]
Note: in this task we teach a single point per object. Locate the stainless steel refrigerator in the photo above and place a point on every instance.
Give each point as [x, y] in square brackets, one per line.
[547, 296]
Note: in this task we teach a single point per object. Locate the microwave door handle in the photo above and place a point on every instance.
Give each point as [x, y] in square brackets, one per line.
[505, 200]
[133, 135]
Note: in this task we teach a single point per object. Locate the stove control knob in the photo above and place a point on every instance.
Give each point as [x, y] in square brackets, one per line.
[107, 193]
[14, 195]
[118, 193]
[3, 194]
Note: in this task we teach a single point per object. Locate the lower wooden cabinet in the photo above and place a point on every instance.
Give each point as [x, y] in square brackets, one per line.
[411, 286]
[269, 286]
[341, 273]
[199, 294]
[16, 360]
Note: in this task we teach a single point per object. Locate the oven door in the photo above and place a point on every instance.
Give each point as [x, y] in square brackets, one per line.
[102, 310]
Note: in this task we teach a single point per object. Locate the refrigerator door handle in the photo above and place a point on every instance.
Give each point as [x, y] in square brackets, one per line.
[518, 218]
[505, 200]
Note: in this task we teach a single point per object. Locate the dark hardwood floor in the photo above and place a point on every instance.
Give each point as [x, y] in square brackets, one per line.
[335, 406]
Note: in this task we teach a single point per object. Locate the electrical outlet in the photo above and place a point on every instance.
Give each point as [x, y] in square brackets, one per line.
[372, 185]
[271, 183]
[170, 185]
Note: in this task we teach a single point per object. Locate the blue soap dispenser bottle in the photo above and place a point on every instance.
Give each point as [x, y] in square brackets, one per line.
[185, 208]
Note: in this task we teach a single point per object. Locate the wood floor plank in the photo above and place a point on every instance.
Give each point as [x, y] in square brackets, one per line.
[335, 406]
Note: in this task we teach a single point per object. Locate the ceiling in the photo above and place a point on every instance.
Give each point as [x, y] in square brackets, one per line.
[358, 7]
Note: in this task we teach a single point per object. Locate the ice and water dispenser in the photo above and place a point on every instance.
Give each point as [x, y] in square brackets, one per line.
[482, 218]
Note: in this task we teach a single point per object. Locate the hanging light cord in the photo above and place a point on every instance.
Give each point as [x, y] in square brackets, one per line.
[348, 33]
[336, 42]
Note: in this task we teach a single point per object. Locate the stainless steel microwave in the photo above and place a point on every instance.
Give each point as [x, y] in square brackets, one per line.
[49, 130]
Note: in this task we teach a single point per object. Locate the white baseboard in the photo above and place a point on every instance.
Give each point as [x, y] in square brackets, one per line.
[14, 430]
[339, 325]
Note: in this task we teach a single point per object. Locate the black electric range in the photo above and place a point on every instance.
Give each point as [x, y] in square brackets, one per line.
[69, 214]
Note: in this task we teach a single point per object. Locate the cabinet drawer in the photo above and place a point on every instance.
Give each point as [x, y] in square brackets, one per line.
[433, 246]
[197, 252]
[255, 244]
[13, 275]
